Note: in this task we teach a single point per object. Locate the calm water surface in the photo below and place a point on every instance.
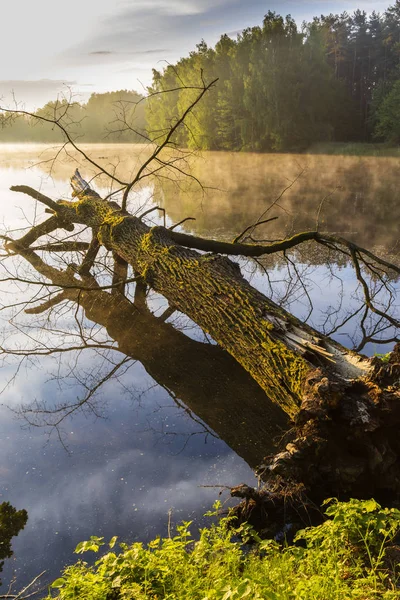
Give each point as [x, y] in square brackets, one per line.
[178, 414]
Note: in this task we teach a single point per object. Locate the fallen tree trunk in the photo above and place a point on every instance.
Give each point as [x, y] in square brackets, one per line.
[345, 407]
[278, 351]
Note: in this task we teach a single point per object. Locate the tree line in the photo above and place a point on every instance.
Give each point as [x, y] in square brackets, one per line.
[281, 87]
[109, 117]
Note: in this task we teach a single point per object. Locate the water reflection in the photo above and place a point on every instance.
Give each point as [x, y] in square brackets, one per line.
[205, 378]
[357, 197]
[118, 479]
[11, 523]
[119, 476]
[147, 453]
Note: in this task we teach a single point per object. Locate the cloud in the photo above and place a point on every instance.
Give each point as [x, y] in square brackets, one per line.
[101, 52]
[173, 7]
[132, 29]
[155, 51]
[36, 85]
[135, 52]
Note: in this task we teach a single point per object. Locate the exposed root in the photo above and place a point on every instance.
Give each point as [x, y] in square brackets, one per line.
[345, 443]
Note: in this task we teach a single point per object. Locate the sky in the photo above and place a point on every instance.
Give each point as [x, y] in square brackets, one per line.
[100, 45]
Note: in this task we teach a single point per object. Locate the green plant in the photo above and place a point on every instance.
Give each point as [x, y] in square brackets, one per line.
[384, 357]
[344, 558]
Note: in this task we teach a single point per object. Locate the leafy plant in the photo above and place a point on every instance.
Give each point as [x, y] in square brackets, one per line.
[344, 558]
[384, 357]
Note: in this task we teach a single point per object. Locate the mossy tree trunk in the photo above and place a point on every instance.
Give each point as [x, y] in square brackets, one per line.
[278, 351]
[345, 407]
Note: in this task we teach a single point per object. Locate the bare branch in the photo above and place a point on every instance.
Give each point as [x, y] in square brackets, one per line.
[90, 257]
[165, 143]
[252, 227]
[181, 222]
[62, 247]
[22, 594]
[36, 310]
[26, 189]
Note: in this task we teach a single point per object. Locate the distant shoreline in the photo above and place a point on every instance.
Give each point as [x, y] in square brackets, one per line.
[322, 148]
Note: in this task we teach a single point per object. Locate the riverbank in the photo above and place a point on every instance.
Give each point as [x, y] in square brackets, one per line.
[354, 149]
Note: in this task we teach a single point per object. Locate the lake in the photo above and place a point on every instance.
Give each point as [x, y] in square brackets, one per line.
[175, 418]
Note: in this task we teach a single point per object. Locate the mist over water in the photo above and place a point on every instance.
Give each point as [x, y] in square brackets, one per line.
[357, 197]
[354, 196]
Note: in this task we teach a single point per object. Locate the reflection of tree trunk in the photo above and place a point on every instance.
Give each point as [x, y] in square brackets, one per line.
[203, 376]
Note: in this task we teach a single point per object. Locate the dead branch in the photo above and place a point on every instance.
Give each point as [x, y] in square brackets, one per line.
[252, 227]
[181, 222]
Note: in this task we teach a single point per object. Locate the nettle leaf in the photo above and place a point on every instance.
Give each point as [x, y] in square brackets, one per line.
[59, 583]
[91, 545]
[79, 548]
[113, 541]
[370, 505]
[244, 589]
[268, 545]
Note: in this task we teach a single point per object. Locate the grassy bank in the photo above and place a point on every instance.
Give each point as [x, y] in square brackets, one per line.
[353, 149]
[351, 555]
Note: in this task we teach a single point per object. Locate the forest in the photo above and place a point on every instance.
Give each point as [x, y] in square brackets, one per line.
[281, 87]
[97, 120]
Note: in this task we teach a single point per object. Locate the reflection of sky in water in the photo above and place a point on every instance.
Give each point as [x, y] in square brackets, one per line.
[121, 476]
[124, 471]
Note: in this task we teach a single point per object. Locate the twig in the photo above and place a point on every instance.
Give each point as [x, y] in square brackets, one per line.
[181, 222]
[252, 227]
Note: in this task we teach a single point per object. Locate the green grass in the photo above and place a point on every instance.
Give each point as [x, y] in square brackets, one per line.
[354, 149]
[347, 557]
[384, 357]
